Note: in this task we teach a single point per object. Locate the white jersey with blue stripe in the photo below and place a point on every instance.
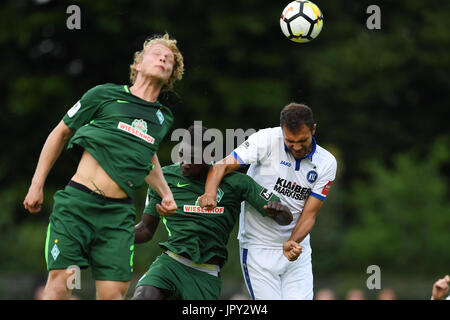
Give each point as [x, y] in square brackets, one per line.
[293, 180]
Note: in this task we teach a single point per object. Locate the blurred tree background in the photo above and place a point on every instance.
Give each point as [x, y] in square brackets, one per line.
[380, 99]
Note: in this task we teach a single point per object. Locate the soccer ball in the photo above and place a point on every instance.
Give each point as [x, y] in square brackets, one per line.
[301, 21]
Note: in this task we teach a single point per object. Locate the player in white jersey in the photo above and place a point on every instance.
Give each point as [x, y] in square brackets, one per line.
[287, 161]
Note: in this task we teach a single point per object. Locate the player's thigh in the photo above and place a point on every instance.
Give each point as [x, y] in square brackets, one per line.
[148, 292]
[112, 250]
[179, 281]
[261, 269]
[161, 275]
[202, 286]
[57, 285]
[68, 233]
[297, 281]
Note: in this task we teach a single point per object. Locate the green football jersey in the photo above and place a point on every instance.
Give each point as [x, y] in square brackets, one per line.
[120, 130]
[200, 233]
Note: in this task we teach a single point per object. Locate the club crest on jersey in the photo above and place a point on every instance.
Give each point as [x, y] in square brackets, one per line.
[312, 176]
[160, 116]
[220, 194]
[291, 189]
[55, 251]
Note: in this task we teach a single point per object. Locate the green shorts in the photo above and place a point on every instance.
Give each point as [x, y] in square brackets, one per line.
[184, 282]
[87, 229]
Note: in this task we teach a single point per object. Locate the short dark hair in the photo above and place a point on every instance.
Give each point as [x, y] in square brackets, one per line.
[295, 115]
[194, 136]
[196, 133]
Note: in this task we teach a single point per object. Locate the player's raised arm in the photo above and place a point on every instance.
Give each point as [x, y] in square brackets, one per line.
[215, 176]
[51, 150]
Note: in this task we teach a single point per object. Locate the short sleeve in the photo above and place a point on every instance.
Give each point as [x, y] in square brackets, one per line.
[250, 191]
[150, 203]
[83, 111]
[324, 182]
[255, 148]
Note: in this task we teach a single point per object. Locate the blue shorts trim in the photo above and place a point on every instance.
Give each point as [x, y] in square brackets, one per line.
[246, 275]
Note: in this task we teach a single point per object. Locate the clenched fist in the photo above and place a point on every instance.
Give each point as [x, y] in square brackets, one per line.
[291, 250]
[207, 201]
[167, 207]
[34, 199]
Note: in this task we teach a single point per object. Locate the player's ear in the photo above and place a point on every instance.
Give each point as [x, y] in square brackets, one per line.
[313, 131]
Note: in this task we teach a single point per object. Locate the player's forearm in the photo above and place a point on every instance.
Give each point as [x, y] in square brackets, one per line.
[51, 151]
[156, 179]
[215, 175]
[303, 227]
[142, 233]
[307, 219]
[218, 171]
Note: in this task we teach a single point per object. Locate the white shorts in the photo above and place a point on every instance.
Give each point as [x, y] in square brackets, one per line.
[269, 275]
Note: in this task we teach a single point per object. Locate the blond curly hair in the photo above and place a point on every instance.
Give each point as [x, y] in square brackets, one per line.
[178, 66]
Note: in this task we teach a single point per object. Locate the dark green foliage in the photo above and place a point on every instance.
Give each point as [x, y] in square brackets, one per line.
[380, 99]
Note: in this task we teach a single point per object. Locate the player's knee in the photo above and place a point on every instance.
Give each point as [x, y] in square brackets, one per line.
[148, 293]
[111, 295]
[111, 290]
[56, 287]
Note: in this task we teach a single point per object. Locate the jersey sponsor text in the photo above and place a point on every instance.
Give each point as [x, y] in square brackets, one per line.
[198, 209]
[291, 189]
[135, 132]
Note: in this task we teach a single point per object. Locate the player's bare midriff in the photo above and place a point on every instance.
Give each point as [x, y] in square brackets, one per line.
[92, 175]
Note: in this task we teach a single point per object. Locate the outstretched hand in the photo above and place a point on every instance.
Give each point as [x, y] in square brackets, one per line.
[291, 250]
[278, 212]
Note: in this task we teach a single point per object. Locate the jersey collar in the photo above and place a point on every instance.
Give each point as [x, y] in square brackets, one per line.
[126, 88]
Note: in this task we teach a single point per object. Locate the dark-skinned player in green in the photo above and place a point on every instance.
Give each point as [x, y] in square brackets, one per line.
[189, 267]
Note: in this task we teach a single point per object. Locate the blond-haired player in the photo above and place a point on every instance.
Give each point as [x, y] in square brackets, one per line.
[117, 130]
